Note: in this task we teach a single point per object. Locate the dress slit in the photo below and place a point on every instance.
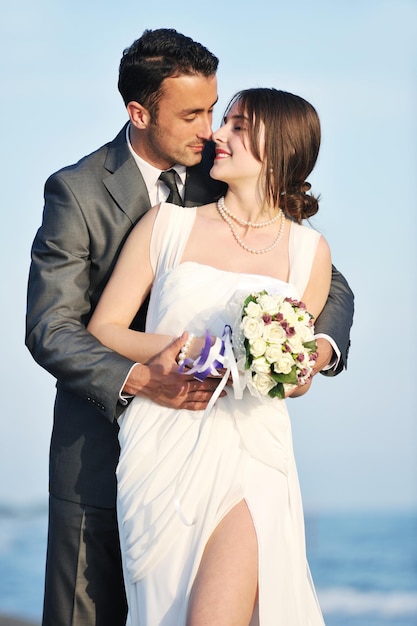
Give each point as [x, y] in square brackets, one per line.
[241, 531]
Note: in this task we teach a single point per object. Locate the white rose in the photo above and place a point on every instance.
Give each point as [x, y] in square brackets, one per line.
[260, 366]
[284, 364]
[257, 347]
[295, 343]
[274, 333]
[252, 327]
[302, 316]
[253, 310]
[288, 312]
[273, 352]
[263, 383]
[270, 304]
[306, 333]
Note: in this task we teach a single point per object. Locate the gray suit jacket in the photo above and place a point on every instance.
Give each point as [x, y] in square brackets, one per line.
[90, 208]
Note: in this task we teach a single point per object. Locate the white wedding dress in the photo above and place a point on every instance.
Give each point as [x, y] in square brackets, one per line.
[178, 477]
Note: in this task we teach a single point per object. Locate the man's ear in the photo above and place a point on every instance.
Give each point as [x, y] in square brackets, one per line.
[139, 116]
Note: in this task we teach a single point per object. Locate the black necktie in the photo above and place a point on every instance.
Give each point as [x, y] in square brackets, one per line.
[168, 178]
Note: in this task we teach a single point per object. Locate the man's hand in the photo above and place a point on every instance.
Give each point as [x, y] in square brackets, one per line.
[325, 352]
[160, 381]
[325, 355]
[298, 391]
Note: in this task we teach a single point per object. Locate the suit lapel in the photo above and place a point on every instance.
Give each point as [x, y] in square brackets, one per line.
[124, 181]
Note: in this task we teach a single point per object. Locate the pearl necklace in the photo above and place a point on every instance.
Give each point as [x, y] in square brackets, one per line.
[221, 206]
[227, 217]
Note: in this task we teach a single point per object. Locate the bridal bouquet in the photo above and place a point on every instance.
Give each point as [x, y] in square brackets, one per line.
[278, 340]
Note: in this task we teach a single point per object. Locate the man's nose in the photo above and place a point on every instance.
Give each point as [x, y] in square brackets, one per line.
[205, 131]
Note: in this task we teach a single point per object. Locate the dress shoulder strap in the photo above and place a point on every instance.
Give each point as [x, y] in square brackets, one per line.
[170, 234]
[302, 250]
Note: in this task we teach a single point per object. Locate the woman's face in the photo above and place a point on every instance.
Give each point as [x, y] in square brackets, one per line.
[234, 159]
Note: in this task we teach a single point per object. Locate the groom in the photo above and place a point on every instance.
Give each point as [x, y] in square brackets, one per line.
[168, 83]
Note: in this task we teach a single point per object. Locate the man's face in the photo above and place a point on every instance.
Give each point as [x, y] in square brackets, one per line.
[183, 123]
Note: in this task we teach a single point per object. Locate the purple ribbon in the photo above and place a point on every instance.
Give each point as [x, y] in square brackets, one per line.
[202, 367]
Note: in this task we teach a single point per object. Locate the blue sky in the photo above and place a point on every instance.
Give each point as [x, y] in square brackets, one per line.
[355, 436]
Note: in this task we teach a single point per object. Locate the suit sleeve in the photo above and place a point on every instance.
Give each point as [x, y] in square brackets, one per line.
[59, 305]
[336, 318]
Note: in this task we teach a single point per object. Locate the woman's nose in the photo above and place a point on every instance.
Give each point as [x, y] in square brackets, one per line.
[218, 135]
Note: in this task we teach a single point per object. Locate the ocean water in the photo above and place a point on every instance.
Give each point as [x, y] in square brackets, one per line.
[364, 565]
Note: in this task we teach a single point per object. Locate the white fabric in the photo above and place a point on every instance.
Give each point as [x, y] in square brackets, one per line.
[337, 355]
[243, 451]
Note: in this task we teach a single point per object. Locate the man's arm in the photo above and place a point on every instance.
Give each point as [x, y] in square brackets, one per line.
[335, 320]
[59, 303]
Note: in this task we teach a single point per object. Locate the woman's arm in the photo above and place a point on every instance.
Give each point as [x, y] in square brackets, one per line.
[318, 287]
[316, 293]
[123, 295]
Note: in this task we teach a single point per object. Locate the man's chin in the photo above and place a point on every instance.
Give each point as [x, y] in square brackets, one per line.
[192, 159]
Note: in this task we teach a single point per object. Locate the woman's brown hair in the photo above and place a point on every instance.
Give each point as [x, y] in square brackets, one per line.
[292, 142]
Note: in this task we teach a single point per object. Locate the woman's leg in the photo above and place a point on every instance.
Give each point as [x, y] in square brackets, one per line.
[225, 589]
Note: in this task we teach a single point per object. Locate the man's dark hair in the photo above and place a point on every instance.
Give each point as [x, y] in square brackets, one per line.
[156, 55]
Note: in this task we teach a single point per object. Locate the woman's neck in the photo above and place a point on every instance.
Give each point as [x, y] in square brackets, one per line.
[248, 205]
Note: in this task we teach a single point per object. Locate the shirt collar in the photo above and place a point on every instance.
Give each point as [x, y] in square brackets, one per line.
[149, 172]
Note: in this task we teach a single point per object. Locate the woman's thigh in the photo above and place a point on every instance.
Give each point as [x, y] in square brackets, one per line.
[225, 588]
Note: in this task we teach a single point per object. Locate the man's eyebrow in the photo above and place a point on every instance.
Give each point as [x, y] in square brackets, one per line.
[200, 110]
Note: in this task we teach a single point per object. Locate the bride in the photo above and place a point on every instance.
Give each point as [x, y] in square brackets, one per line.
[209, 506]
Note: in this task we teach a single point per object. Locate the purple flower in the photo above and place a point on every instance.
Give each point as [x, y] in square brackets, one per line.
[289, 330]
